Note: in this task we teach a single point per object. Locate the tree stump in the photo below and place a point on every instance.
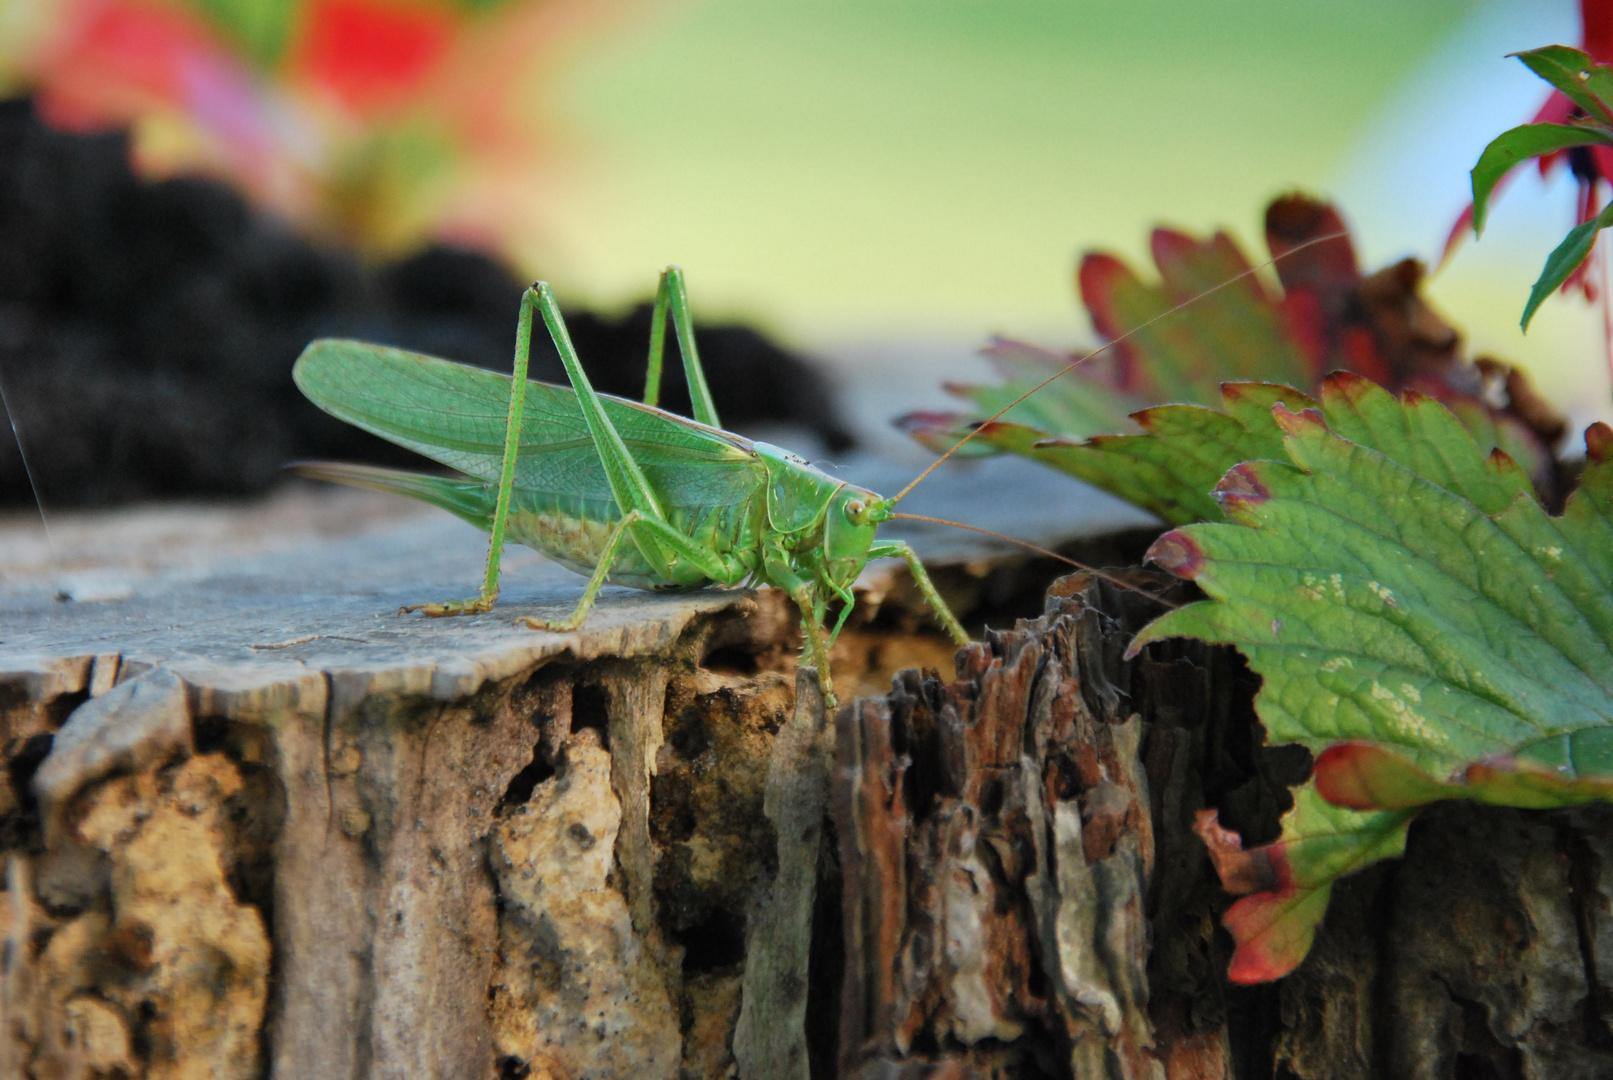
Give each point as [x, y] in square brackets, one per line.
[255, 825]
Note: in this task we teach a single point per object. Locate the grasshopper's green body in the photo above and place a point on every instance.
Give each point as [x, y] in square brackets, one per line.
[618, 490]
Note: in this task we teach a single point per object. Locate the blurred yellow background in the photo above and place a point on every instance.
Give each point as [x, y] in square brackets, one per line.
[929, 170]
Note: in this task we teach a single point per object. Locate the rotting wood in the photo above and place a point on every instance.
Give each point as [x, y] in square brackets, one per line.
[770, 1041]
[997, 844]
[364, 847]
[1024, 896]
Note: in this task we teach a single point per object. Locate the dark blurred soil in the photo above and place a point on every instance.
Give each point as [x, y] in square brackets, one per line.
[147, 332]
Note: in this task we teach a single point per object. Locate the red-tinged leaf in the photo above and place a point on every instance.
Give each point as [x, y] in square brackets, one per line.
[1075, 402]
[1305, 322]
[1418, 620]
[1231, 327]
[940, 432]
[1285, 885]
[1172, 468]
[1187, 267]
[1110, 290]
[1599, 442]
[1235, 333]
[1596, 21]
[1464, 224]
[1179, 553]
[1241, 872]
[1273, 932]
[1512, 436]
[1014, 360]
[1312, 247]
[1363, 776]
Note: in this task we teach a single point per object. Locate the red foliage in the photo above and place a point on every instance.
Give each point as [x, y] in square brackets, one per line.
[1265, 882]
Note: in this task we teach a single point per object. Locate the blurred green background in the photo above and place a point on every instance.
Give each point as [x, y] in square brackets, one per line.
[927, 171]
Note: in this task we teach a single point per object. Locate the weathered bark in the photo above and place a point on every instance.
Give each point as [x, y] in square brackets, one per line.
[1484, 952]
[1024, 895]
[999, 839]
[643, 851]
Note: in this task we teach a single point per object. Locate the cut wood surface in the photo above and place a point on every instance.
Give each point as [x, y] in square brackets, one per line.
[334, 606]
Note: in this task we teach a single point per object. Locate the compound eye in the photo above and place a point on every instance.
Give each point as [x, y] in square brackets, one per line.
[855, 509]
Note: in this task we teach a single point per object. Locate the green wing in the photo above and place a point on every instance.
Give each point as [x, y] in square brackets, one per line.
[455, 414]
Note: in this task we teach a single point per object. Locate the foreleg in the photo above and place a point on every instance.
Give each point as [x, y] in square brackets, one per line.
[899, 549]
[815, 639]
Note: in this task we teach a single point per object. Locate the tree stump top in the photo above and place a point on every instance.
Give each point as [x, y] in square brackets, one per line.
[316, 606]
[311, 581]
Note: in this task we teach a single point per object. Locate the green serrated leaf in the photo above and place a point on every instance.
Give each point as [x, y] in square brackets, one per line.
[1099, 411]
[1416, 617]
[1581, 79]
[1564, 260]
[1172, 469]
[1520, 144]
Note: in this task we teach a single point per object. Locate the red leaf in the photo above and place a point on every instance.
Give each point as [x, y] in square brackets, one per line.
[1273, 930]
[1305, 322]
[1327, 269]
[1241, 872]
[1177, 552]
[1597, 18]
[1365, 777]
[1599, 442]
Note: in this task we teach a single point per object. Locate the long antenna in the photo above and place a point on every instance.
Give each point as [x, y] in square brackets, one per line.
[28, 471]
[1094, 571]
[982, 425]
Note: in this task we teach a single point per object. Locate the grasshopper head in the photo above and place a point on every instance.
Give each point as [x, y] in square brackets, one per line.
[848, 532]
[831, 523]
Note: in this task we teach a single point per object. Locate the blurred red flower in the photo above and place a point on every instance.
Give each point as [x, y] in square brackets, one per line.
[382, 122]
